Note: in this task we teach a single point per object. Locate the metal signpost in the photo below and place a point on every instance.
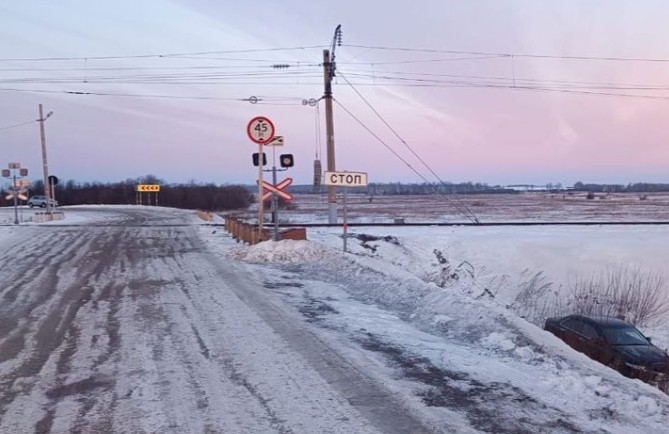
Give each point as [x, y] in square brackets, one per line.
[276, 191]
[16, 193]
[261, 131]
[53, 182]
[346, 179]
[147, 188]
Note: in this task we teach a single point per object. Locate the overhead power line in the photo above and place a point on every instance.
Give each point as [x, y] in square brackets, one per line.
[521, 55]
[263, 100]
[163, 55]
[16, 125]
[420, 82]
[599, 84]
[292, 65]
[461, 208]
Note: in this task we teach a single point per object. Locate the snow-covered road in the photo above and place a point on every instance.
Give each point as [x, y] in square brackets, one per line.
[145, 320]
[133, 326]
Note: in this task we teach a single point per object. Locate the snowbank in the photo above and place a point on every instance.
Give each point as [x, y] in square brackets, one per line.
[282, 252]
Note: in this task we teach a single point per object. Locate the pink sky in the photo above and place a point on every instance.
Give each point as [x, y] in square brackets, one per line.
[464, 132]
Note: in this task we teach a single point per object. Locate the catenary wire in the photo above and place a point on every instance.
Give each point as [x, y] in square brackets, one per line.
[16, 125]
[460, 207]
[466, 84]
[164, 55]
[624, 86]
[525, 55]
[258, 99]
[466, 212]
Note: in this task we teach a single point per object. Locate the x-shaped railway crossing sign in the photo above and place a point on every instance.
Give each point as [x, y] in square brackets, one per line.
[21, 194]
[278, 189]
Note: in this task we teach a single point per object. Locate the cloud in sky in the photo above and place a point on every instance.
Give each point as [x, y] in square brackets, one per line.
[471, 117]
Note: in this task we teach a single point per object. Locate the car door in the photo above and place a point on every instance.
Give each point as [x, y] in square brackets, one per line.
[572, 332]
[592, 343]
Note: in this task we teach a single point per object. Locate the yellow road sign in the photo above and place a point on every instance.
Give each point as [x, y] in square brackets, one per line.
[148, 188]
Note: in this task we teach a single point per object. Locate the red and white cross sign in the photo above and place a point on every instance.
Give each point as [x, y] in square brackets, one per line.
[278, 189]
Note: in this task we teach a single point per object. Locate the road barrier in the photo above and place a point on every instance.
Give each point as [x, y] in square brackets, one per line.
[250, 234]
[42, 217]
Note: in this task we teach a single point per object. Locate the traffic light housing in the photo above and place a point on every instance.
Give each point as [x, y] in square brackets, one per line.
[256, 159]
[286, 160]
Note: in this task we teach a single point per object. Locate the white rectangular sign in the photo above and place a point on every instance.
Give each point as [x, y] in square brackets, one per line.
[346, 179]
[276, 141]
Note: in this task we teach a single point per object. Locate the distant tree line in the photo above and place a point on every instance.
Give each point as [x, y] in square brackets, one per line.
[211, 197]
[398, 188]
[639, 187]
[208, 197]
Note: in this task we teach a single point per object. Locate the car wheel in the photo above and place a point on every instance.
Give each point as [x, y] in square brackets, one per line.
[42, 205]
[30, 205]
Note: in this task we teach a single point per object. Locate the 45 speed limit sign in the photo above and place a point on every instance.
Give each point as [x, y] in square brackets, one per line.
[260, 130]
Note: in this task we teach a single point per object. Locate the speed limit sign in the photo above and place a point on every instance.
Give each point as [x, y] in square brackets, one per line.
[260, 130]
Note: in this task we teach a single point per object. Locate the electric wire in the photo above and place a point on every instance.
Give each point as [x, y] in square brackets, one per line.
[460, 207]
[465, 212]
[164, 55]
[186, 75]
[380, 140]
[252, 100]
[160, 77]
[625, 86]
[162, 68]
[531, 88]
[387, 81]
[16, 125]
[522, 55]
[447, 59]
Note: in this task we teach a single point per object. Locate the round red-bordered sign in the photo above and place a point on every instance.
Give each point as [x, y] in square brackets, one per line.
[260, 130]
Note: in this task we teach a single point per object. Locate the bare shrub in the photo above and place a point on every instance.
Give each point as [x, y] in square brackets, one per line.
[630, 293]
[536, 299]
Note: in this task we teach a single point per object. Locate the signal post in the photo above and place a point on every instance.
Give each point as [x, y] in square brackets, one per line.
[261, 131]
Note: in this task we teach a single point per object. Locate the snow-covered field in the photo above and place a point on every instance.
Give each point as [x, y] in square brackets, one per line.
[445, 300]
[431, 313]
[510, 373]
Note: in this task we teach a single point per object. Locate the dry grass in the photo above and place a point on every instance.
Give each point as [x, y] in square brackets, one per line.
[205, 215]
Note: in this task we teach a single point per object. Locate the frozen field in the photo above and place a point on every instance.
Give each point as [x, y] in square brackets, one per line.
[466, 287]
[532, 206]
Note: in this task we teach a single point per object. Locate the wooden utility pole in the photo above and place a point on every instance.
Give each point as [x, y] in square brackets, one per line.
[47, 190]
[329, 128]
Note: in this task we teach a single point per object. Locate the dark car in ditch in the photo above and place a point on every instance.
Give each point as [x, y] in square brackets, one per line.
[614, 343]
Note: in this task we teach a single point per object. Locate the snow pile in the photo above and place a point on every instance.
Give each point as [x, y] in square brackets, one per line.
[282, 252]
[435, 306]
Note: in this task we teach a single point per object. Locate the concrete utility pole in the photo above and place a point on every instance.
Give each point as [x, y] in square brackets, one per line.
[47, 190]
[329, 128]
[329, 72]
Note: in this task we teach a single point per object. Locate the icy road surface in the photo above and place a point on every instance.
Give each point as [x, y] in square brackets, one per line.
[145, 320]
[126, 323]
